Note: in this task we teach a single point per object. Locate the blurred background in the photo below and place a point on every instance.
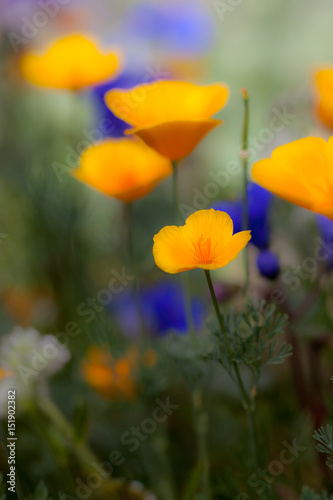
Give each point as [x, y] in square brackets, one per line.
[61, 242]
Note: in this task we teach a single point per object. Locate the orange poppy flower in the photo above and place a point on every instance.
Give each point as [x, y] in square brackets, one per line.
[4, 373]
[111, 378]
[123, 168]
[300, 172]
[206, 241]
[170, 116]
[115, 378]
[71, 63]
[324, 95]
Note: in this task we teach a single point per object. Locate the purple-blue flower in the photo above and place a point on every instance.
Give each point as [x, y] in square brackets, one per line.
[325, 226]
[259, 202]
[109, 124]
[268, 264]
[162, 307]
[184, 26]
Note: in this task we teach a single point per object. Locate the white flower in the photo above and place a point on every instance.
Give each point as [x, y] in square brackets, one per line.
[30, 358]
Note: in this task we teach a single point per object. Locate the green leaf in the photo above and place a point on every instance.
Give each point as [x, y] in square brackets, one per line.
[324, 436]
[80, 420]
[193, 482]
[254, 336]
[309, 494]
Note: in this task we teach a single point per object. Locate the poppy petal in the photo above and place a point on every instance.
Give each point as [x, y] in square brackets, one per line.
[125, 169]
[230, 252]
[204, 242]
[299, 173]
[71, 62]
[175, 140]
[171, 251]
[165, 101]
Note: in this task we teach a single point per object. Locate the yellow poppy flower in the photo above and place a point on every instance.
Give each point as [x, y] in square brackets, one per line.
[300, 172]
[71, 62]
[206, 241]
[170, 116]
[324, 91]
[123, 168]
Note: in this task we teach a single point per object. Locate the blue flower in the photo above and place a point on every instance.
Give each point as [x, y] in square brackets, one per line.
[175, 28]
[163, 310]
[325, 226]
[268, 264]
[183, 27]
[259, 201]
[109, 124]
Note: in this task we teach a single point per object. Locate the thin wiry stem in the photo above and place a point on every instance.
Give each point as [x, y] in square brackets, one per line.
[244, 156]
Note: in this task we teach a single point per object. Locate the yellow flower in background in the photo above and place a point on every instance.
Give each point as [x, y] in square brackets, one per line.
[300, 172]
[71, 63]
[324, 95]
[115, 378]
[170, 116]
[206, 241]
[125, 169]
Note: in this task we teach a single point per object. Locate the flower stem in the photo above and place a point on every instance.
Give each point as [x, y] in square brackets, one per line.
[218, 313]
[244, 156]
[165, 479]
[175, 192]
[247, 401]
[130, 245]
[133, 265]
[201, 425]
[84, 455]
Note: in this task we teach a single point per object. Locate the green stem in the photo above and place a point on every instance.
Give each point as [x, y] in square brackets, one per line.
[130, 244]
[133, 264]
[244, 156]
[166, 486]
[218, 313]
[84, 455]
[246, 399]
[201, 426]
[177, 217]
[252, 432]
